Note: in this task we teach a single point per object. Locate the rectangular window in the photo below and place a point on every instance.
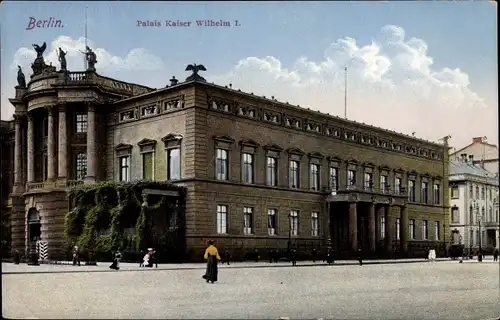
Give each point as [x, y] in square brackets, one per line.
[222, 219]
[382, 227]
[147, 166]
[173, 164]
[81, 122]
[411, 225]
[334, 179]
[455, 193]
[483, 193]
[424, 196]
[81, 165]
[471, 238]
[425, 230]
[247, 220]
[384, 185]
[294, 174]
[272, 172]
[471, 215]
[221, 164]
[411, 190]
[397, 186]
[271, 222]
[398, 228]
[437, 231]
[247, 170]
[437, 194]
[368, 181]
[471, 191]
[455, 216]
[351, 178]
[314, 224]
[124, 168]
[314, 177]
[294, 223]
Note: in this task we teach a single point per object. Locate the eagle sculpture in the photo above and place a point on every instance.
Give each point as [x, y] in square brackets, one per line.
[40, 49]
[195, 68]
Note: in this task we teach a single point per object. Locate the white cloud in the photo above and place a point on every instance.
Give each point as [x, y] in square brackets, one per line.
[391, 83]
[137, 60]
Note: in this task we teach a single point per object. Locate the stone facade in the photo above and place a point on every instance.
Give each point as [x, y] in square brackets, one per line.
[234, 152]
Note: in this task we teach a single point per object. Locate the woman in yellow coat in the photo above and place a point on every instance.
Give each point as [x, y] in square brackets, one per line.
[212, 257]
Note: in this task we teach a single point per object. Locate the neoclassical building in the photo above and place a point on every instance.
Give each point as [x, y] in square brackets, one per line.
[474, 205]
[259, 173]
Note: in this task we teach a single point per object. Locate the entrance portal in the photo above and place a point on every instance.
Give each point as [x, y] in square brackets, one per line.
[34, 228]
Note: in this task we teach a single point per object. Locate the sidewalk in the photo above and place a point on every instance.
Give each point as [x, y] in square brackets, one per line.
[67, 267]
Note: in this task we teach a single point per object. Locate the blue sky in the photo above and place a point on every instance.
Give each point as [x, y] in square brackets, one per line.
[457, 34]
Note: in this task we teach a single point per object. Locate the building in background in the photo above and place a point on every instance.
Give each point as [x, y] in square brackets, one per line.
[481, 153]
[259, 173]
[474, 205]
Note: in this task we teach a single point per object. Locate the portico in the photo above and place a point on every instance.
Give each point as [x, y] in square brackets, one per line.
[362, 220]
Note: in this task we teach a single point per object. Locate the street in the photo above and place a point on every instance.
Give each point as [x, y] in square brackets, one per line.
[424, 290]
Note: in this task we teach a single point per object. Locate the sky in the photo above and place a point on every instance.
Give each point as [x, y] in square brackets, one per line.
[415, 67]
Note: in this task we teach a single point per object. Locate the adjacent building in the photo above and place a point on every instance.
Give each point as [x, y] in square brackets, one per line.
[259, 173]
[474, 205]
[6, 180]
[481, 153]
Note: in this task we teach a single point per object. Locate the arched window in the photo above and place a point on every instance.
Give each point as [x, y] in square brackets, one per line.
[81, 165]
[483, 214]
[471, 215]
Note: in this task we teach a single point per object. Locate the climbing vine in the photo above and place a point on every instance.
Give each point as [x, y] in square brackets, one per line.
[100, 213]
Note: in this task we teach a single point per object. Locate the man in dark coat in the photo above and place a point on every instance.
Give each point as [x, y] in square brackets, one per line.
[314, 254]
[17, 257]
[293, 257]
[226, 257]
[360, 256]
[495, 254]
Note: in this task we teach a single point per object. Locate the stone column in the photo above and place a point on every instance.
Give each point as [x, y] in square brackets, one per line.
[353, 225]
[91, 144]
[51, 145]
[387, 233]
[62, 148]
[404, 229]
[18, 151]
[371, 227]
[31, 149]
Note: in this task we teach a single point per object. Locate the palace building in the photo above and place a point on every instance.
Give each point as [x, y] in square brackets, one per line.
[259, 173]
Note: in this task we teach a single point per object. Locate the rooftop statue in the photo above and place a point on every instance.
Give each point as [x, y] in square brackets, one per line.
[62, 58]
[195, 69]
[40, 50]
[21, 80]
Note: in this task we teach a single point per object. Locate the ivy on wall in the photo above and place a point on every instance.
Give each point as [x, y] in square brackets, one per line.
[102, 211]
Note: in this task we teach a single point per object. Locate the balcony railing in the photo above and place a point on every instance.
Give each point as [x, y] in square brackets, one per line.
[49, 184]
[72, 183]
[89, 77]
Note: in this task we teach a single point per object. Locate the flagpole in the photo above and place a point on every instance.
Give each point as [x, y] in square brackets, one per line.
[345, 93]
[85, 57]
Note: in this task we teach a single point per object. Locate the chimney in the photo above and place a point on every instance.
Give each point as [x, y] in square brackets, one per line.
[463, 157]
[477, 140]
[174, 81]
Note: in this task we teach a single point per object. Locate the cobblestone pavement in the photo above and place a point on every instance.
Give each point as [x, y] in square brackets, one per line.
[444, 290]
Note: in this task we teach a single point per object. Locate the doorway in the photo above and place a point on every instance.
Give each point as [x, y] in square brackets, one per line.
[34, 228]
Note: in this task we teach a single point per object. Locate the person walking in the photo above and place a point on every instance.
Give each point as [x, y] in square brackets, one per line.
[116, 261]
[495, 254]
[293, 257]
[212, 257]
[226, 257]
[76, 256]
[360, 256]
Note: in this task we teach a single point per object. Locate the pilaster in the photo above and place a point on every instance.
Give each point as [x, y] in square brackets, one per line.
[371, 227]
[91, 144]
[403, 229]
[18, 165]
[62, 150]
[31, 150]
[51, 160]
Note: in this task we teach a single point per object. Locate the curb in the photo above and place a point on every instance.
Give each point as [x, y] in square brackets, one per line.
[235, 267]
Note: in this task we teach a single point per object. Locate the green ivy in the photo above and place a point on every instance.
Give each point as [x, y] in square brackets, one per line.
[112, 205]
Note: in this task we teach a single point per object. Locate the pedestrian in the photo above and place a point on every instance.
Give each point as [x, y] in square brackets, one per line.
[314, 253]
[141, 258]
[76, 256]
[270, 255]
[256, 253]
[226, 256]
[495, 254]
[360, 256]
[426, 253]
[17, 257]
[276, 255]
[116, 260]
[212, 257]
[293, 257]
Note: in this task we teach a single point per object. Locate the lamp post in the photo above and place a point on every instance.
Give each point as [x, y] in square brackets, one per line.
[478, 217]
